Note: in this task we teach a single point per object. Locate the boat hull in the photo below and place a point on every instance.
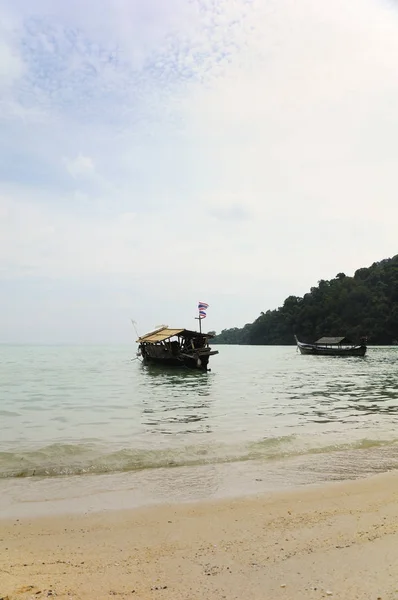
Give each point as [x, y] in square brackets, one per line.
[330, 351]
[156, 355]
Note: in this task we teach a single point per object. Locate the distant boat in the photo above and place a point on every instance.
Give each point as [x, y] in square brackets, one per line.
[332, 346]
[176, 348]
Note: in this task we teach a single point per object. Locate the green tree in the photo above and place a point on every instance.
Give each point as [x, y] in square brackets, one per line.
[363, 305]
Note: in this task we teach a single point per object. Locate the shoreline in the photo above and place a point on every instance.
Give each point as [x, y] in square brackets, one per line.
[82, 494]
[336, 540]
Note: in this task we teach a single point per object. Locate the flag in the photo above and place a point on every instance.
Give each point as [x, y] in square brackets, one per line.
[202, 306]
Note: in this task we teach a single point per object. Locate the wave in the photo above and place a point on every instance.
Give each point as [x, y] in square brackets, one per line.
[57, 460]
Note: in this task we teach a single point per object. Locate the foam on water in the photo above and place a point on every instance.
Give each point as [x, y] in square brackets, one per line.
[62, 459]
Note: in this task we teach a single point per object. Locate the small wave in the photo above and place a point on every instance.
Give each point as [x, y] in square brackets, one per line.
[57, 460]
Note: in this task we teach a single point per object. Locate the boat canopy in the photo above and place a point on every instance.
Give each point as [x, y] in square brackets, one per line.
[159, 335]
[332, 341]
[164, 333]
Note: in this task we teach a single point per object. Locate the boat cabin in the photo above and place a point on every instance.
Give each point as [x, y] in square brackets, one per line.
[185, 339]
[333, 341]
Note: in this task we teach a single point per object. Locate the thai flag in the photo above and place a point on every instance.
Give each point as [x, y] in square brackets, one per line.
[202, 306]
[202, 314]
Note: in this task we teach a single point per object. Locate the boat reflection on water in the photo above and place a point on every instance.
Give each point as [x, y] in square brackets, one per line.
[191, 380]
[185, 410]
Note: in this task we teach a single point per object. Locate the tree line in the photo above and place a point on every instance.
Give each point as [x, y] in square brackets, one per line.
[365, 305]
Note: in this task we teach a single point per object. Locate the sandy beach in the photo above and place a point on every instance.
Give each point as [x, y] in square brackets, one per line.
[336, 540]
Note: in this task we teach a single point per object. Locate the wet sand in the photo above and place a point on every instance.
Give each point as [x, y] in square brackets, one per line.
[37, 496]
[337, 540]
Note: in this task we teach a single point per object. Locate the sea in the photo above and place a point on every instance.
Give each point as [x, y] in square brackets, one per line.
[86, 428]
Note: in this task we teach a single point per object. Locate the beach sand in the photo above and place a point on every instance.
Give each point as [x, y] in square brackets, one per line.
[337, 540]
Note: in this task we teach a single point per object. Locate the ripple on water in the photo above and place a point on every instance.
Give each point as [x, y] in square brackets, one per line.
[257, 403]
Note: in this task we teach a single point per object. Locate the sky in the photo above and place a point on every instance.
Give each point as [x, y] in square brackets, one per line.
[155, 154]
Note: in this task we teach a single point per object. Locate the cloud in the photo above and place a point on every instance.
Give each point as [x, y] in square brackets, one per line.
[80, 166]
[234, 150]
[298, 121]
[10, 65]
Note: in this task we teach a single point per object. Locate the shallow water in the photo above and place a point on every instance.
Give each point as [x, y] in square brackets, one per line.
[83, 410]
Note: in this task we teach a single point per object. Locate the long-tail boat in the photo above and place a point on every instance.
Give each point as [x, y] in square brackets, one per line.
[176, 348]
[333, 346]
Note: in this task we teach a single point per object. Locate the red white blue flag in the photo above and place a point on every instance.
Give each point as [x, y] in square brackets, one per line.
[202, 307]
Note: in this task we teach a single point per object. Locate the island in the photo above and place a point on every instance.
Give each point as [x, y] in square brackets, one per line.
[362, 306]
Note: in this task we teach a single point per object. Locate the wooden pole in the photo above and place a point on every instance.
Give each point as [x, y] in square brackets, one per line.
[200, 321]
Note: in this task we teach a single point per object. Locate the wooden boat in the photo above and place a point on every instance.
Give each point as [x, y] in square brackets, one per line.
[332, 346]
[176, 348]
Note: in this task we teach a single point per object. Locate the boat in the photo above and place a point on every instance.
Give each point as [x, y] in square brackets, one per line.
[176, 348]
[333, 346]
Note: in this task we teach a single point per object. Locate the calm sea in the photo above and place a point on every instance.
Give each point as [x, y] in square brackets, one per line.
[94, 410]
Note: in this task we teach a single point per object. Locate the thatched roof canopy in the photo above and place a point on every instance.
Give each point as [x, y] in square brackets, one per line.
[164, 333]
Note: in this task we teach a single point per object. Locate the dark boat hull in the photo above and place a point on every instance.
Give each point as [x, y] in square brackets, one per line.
[156, 355]
[330, 351]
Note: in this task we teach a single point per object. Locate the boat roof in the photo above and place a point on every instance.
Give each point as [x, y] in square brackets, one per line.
[331, 340]
[164, 333]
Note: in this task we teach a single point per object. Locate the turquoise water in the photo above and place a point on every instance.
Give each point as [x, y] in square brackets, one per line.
[84, 410]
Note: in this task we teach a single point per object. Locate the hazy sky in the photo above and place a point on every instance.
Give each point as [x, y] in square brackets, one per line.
[153, 154]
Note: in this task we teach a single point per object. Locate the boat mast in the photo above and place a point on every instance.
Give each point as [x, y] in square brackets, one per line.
[199, 318]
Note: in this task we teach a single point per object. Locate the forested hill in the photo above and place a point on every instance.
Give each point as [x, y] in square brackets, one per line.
[363, 305]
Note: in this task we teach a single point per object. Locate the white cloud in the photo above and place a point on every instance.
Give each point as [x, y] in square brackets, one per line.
[11, 67]
[81, 166]
[299, 123]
